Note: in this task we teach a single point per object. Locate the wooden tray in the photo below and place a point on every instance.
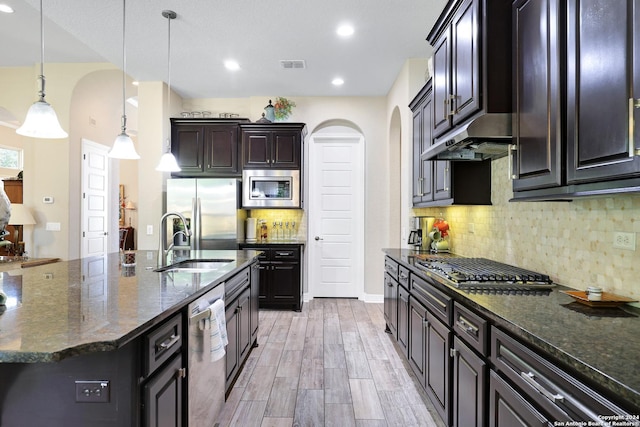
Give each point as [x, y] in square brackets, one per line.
[608, 299]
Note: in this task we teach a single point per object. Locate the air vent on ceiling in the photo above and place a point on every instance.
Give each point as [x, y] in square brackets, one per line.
[291, 64]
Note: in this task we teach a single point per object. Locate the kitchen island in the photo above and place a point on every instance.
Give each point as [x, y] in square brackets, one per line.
[517, 339]
[87, 320]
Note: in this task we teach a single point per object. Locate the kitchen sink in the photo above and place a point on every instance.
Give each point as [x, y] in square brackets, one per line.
[194, 266]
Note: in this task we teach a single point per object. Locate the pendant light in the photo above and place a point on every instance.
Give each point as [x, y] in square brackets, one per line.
[168, 161]
[123, 147]
[41, 120]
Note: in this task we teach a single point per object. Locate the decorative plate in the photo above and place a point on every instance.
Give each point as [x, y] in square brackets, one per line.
[608, 299]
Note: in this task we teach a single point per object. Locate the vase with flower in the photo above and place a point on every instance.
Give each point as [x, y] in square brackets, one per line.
[283, 108]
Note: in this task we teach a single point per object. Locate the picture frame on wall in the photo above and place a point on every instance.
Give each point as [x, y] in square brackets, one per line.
[121, 205]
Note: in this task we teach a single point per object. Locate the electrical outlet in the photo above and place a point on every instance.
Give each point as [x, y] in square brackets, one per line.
[149, 229]
[472, 228]
[92, 391]
[624, 240]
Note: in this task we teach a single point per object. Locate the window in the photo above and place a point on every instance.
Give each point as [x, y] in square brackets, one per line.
[10, 158]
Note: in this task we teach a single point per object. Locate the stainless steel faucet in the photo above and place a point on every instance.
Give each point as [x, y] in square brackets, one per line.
[162, 250]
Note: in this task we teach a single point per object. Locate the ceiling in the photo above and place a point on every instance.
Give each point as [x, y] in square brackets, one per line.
[257, 34]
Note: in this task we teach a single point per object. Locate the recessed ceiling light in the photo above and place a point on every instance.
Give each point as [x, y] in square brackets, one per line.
[337, 81]
[232, 65]
[6, 8]
[345, 30]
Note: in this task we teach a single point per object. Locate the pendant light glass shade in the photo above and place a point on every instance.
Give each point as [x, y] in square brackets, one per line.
[123, 147]
[168, 162]
[41, 120]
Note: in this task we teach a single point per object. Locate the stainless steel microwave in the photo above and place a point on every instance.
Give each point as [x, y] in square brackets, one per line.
[266, 188]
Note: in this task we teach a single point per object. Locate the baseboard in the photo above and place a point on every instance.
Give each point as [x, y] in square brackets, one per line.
[374, 298]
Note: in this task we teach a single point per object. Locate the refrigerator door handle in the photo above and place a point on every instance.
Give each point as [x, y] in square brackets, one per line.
[195, 232]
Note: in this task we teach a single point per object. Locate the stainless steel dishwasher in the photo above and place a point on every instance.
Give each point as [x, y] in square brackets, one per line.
[206, 389]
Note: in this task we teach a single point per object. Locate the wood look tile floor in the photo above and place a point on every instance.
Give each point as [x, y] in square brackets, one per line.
[330, 365]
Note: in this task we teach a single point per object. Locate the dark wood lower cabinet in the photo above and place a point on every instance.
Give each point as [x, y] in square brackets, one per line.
[164, 396]
[417, 331]
[429, 356]
[469, 384]
[280, 275]
[507, 408]
[391, 304]
[403, 319]
[437, 372]
[238, 317]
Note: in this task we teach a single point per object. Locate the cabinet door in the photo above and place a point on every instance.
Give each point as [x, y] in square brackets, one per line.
[601, 108]
[441, 84]
[422, 138]
[417, 332]
[465, 60]
[231, 356]
[163, 396]
[391, 304]
[256, 149]
[255, 300]
[403, 319]
[187, 145]
[508, 409]
[469, 376]
[285, 282]
[437, 373]
[537, 129]
[441, 180]
[244, 324]
[221, 150]
[285, 152]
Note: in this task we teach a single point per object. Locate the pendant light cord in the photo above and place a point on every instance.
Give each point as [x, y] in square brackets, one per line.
[124, 66]
[41, 76]
[169, 14]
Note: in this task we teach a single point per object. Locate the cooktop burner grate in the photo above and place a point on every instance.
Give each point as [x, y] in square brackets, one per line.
[481, 273]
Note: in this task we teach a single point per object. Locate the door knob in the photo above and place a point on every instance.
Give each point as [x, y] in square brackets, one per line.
[319, 238]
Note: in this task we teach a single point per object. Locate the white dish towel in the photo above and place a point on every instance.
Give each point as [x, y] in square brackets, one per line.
[218, 330]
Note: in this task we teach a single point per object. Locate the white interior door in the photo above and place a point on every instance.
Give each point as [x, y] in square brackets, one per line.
[336, 216]
[95, 199]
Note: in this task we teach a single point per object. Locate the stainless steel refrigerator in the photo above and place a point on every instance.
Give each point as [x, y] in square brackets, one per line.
[212, 207]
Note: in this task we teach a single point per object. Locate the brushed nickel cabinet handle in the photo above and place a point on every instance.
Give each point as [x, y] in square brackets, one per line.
[512, 148]
[446, 172]
[530, 378]
[633, 104]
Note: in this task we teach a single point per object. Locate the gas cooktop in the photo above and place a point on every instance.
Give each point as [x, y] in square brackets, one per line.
[480, 274]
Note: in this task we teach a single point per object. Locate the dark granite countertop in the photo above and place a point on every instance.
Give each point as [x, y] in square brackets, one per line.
[600, 344]
[59, 310]
[296, 242]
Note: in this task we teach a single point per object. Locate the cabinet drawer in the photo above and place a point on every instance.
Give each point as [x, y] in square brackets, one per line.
[403, 276]
[437, 302]
[555, 392]
[470, 327]
[161, 343]
[285, 254]
[391, 267]
[235, 285]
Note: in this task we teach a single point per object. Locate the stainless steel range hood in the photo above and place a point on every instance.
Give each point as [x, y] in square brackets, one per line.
[484, 137]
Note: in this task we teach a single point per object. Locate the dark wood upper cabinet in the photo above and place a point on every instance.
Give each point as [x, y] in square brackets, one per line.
[576, 73]
[603, 76]
[442, 182]
[206, 147]
[537, 128]
[471, 61]
[422, 107]
[272, 146]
